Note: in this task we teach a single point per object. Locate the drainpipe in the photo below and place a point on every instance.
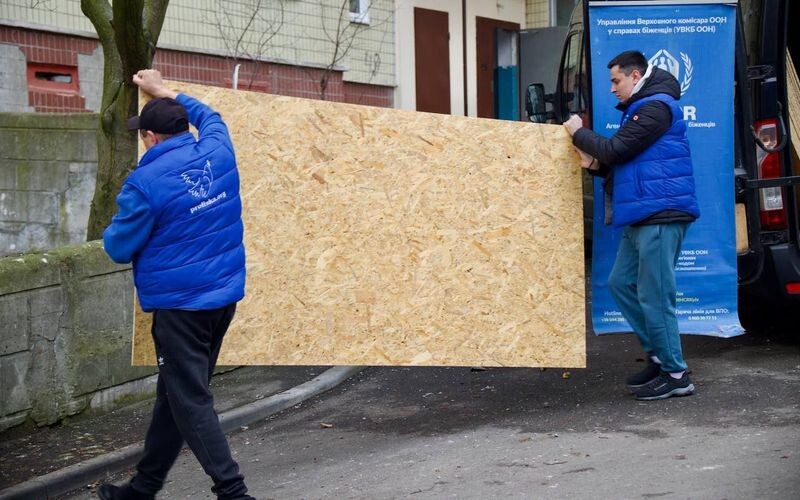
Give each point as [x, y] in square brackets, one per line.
[464, 53]
[235, 83]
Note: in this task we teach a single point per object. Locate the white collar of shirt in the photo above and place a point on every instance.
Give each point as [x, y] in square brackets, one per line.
[641, 81]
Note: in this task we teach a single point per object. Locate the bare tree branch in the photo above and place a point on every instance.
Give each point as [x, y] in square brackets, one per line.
[128, 23]
[249, 23]
[99, 14]
[154, 13]
[251, 41]
[343, 40]
[35, 4]
[269, 34]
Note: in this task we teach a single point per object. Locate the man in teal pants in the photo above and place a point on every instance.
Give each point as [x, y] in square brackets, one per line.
[649, 190]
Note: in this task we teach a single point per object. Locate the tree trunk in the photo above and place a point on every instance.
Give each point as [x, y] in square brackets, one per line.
[116, 149]
[128, 32]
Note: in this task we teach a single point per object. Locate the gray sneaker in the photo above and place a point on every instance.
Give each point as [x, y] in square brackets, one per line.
[665, 386]
[641, 379]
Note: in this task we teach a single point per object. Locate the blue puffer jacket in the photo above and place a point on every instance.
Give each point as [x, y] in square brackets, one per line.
[660, 178]
[180, 221]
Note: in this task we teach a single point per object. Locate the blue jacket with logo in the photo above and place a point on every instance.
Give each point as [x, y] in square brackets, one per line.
[658, 179]
[179, 219]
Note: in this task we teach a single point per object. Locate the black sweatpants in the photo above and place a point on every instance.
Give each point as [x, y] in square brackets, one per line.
[187, 345]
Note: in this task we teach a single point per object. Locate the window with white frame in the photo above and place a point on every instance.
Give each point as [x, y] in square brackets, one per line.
[359, 11]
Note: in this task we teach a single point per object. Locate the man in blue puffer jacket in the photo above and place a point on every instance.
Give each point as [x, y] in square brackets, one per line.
[179, 222]
[650, 193]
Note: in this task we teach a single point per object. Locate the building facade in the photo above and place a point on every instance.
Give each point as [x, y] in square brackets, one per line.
[449, 51]
[51, 60]
[430, 55]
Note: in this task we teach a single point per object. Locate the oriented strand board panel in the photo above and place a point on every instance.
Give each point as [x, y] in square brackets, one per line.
[793, 94]
[388, 237]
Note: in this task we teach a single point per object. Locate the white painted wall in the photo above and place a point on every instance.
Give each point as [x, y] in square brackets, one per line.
[405, 92]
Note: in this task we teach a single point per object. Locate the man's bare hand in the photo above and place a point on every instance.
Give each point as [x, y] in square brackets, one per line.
[573, 124]
[150, 81]
[587, 161]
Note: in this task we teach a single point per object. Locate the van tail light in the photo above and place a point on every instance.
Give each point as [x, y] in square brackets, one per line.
[772, 210]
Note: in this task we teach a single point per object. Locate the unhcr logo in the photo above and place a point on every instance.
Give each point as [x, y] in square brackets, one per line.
[666, 61]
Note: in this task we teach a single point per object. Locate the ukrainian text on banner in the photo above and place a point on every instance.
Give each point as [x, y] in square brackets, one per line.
[695, 43]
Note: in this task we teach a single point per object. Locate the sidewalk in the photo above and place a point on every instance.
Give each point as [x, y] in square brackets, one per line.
[41, 462]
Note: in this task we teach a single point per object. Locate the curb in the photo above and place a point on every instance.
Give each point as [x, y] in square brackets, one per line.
[79, 475]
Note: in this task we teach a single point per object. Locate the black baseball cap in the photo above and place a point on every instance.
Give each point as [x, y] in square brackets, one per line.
[162, 116]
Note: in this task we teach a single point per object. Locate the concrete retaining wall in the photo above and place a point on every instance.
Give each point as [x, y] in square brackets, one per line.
[48, 165]
[65, 329]
[13, 81]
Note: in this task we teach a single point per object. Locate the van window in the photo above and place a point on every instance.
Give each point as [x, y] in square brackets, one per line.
[573, 81]
[561, 11]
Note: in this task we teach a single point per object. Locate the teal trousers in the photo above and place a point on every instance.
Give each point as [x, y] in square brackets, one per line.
[642, 282]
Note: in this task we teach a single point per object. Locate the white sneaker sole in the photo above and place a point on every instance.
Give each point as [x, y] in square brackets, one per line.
[680, 391]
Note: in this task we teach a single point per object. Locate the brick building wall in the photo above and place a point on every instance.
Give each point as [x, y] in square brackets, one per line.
[53, 51]
[48, 53]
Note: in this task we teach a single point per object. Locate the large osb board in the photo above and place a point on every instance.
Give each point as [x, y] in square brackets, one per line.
[793, 94]
[386, 237]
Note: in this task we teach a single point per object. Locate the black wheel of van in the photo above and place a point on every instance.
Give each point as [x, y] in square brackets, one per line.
[757, 316]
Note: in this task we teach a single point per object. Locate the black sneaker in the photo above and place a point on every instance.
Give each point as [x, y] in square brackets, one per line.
[640, 379]
[126, 492]
[665, 386]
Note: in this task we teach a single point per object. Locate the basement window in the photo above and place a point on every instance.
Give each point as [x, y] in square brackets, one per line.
[53, 78]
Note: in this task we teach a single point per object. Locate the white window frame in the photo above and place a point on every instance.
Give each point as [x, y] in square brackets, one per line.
[362, 16]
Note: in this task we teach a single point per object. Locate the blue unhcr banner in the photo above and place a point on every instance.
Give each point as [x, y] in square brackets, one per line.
[695, 42]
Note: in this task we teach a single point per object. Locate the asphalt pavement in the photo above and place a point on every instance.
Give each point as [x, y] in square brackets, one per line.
[529, 433]
[80, 453]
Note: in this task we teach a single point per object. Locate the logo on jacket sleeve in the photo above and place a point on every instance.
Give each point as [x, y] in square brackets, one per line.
[199, 180]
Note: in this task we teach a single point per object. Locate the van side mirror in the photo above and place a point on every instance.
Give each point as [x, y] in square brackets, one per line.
[535, 103]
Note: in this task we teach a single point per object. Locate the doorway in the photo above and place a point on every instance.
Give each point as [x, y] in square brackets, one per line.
[432, 60]
[486, 55]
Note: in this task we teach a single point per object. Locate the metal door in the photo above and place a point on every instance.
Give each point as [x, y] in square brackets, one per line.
[432, 60]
